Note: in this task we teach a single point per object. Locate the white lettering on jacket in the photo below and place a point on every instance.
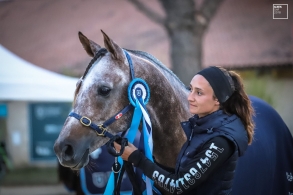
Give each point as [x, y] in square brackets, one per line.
[189, 178]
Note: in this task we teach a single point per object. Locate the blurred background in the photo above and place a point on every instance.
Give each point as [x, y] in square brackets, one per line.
[41, 58]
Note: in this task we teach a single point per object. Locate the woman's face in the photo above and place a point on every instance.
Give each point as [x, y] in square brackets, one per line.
[201, 97]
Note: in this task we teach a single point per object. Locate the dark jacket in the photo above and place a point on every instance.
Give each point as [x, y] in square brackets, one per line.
[206, 162]
[199, 131]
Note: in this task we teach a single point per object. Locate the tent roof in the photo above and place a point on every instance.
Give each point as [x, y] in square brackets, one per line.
[23, 81]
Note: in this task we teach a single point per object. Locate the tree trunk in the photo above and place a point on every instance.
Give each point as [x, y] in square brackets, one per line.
[185, 38]
[185, 57]
[185, 26]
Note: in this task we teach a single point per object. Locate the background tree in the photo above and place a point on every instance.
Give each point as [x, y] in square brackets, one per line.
[185, 25]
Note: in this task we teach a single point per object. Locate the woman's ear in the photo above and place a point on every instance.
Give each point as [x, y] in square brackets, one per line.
[217, 103]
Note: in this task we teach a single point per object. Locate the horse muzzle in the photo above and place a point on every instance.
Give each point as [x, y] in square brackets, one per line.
[71, 155]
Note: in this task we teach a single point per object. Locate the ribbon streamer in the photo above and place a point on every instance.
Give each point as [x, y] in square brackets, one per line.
[138, 93]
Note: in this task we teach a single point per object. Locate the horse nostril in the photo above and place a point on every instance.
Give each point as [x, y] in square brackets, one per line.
[67, 152]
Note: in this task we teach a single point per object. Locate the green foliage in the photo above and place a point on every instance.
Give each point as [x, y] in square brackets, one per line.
[257, 86]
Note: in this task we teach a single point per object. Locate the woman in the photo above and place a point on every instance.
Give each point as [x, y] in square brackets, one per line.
[218, 133]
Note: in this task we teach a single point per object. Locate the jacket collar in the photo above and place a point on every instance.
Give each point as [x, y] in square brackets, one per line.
[208, 122]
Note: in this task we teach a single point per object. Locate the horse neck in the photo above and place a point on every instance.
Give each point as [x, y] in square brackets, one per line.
[168, 107]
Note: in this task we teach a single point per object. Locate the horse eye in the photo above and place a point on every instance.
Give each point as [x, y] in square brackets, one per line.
[104, 91]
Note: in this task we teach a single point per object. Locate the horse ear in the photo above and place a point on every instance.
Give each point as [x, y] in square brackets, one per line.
[90, 47]
[113, 48]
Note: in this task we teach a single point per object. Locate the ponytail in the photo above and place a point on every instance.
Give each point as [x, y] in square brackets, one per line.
[239, 103]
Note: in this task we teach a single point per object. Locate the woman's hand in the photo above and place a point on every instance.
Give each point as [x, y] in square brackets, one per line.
[127, 150]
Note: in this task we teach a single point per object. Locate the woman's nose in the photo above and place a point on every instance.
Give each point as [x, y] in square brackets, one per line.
[190, 97]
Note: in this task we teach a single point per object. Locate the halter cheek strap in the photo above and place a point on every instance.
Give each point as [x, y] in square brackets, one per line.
[130, 65]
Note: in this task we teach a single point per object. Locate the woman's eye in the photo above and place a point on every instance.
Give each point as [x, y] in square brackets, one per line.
[104, 91]
[199, 93]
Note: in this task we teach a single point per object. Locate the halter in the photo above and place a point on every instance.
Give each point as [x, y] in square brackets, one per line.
[138, 95]
[136, 84]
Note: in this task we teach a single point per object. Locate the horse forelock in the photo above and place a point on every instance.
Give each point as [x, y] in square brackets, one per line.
[99, 54]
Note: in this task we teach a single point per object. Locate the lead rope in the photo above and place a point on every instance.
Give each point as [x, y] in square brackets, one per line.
[116, 168]
[131, 175]
[119, 170]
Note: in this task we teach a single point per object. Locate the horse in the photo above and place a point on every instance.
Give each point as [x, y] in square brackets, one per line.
[103, 91]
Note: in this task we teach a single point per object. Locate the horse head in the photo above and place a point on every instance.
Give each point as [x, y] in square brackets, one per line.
[101, 93]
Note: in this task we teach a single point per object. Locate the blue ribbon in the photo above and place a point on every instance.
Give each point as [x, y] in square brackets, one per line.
[140, 112]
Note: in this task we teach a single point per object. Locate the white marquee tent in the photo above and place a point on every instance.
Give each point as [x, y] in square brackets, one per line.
[23, 81]
[25, 91]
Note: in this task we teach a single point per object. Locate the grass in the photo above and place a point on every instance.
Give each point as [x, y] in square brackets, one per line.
[30, 176]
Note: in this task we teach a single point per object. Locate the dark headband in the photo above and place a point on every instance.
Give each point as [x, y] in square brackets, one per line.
[219, 82]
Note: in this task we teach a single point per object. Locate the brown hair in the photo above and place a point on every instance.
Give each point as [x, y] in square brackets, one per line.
[239, 103]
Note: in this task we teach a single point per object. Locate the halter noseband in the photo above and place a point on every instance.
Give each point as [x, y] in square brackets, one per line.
[101, 130]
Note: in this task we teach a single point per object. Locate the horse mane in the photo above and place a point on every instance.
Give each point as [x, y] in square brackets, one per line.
[158, 63]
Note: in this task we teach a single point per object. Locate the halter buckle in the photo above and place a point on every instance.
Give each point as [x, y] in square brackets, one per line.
[103, 130]
[85, 124]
